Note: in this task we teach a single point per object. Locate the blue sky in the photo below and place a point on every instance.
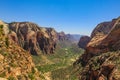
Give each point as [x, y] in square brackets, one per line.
[70, 16]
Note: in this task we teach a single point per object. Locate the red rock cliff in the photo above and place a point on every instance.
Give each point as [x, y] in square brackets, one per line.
[100, 60]
[104, 37]
[33, 38]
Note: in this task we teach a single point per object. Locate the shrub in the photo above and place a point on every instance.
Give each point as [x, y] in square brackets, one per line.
[4, 53]
[8, 68]
[13, 65]
[1, 30]
[2, 74]
[33, 70]
[11, 78]
[31, 76]
[19, 77]
[7, 42]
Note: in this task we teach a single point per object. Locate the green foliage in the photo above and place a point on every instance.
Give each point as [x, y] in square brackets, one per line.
[2, 74]
[49, 67]
[66, 73]
[3, 53]
[1, 30]
[96, 62]
[31, 76]
[37, 59]
[8, 68]
[11, 78]
[59, 63]
[33, 70]
[1, 26]
[7, 42]
[13, 65]
[19, 77]
[42, 77]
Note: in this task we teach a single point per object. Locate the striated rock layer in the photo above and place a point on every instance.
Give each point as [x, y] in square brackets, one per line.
[15, 62]
[100, 60]
[33, 38]
[103, 42]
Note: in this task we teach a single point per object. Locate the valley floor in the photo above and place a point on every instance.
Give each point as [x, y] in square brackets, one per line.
[59, 66]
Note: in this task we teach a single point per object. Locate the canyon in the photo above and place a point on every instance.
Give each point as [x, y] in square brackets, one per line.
[31, 52]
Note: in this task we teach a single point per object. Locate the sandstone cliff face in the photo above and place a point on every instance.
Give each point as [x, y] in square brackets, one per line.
[101, 57]
[103, 42]
[33, 38]
[103, 28]
[15, 63]
[84, 40]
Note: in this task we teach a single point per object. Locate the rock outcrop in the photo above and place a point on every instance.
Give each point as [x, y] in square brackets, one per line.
[15, 62]
[61, 36]
[33, 38]
[103, 28]
[84, 40]
[100, 60]
[103, 42]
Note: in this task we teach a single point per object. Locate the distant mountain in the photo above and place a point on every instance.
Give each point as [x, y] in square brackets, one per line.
[74, 38]
[61, 36]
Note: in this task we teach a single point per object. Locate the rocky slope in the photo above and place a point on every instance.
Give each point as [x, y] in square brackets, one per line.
[84, 40]
[103, 42]
[100, 60]
[15, 63]
[33, 38]
[103, 28]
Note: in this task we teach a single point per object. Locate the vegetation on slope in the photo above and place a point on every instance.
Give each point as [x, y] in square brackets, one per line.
[15, 63]
[97, 65]
[59, 66]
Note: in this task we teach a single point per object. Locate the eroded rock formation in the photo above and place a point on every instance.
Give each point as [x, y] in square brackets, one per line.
[103, 42]
[100, 60]
[33, 38]
[15, 62]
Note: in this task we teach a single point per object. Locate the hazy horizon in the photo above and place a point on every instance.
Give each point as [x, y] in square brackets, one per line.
[70, 16]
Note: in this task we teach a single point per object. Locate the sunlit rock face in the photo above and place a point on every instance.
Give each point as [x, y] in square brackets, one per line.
[105, 39]
[5, 28]
[100, 60]
[15, 62]
[33, 38]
